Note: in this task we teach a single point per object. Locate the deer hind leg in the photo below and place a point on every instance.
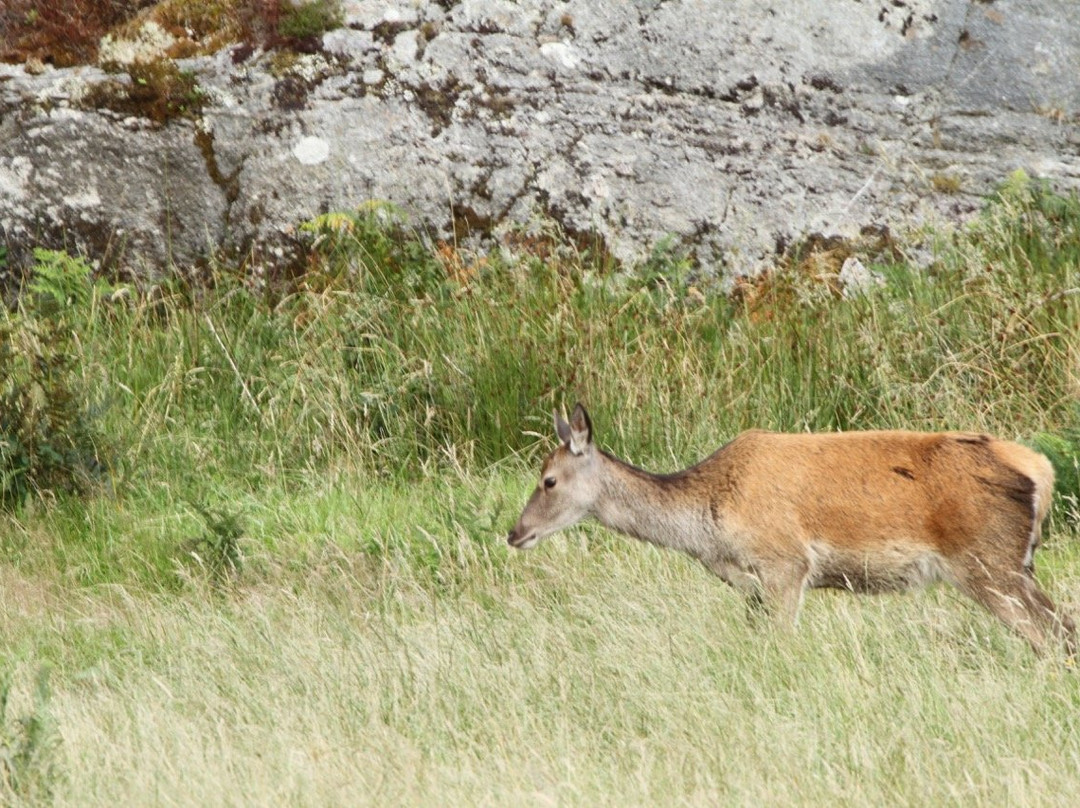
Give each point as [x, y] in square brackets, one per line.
[1014, 597]
[1061, 625]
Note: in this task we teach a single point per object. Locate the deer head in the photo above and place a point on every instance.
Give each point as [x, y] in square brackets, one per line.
[568, 484]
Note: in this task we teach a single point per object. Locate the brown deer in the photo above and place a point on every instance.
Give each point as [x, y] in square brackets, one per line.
[773, 514]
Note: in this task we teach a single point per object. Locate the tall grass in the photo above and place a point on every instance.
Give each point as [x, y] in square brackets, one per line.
[292, 587]
[400, 358]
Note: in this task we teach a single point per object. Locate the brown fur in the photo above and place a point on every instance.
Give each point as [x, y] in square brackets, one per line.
[773, 514]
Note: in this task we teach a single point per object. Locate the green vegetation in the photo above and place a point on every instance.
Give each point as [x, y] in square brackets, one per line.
[49, 441]
[157, 90]
[309, 18]
[282, 577]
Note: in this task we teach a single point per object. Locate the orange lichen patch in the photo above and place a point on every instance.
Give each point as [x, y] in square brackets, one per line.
[538, 245]
[553, 245]
[460, 267]
[813, 263]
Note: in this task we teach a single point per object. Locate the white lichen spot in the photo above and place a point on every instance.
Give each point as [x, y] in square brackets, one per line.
[561, 53]
[856, 280]
[148, 45]
[348, 43]
[15, 176]
[598, 187]
[406, 48]
[311, 151]
[74, 88]
[87, 198]
[310, 67]
[395, 14]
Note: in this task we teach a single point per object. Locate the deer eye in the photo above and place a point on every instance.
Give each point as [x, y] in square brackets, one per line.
[549, 482]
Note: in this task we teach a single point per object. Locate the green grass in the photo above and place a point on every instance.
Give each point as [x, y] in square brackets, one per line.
[587, 673]
[290, 584]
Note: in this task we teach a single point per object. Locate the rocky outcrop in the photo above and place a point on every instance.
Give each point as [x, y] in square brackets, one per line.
[733, 128]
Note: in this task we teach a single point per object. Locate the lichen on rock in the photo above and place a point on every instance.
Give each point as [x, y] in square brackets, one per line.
[732, 128]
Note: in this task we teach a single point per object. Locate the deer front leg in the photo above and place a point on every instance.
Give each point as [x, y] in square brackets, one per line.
[783, 583]
[743, 581]
[777, 586]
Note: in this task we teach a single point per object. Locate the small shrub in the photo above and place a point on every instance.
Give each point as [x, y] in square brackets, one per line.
[60, 280]
[669, 264]
[198, 27]
[63, 34]
[217, 550]
[69, 33]
[372, 249]
[945, 183]
[49, 439]
[157, 90]
[1063, 449]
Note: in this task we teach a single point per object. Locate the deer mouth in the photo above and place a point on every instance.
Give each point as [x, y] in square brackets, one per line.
[521, 541]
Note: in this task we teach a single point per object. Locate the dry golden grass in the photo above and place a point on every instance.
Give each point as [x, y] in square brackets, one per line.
[589, 671]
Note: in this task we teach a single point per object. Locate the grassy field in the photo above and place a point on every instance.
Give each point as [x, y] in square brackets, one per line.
[252, 536]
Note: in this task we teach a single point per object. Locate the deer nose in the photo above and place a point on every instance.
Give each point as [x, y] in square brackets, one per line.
[518, 538]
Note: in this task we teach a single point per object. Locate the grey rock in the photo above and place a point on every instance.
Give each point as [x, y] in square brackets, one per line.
[856, 279]
[736, 128]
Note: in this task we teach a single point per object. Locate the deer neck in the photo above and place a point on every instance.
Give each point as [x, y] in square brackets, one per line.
[661, 509]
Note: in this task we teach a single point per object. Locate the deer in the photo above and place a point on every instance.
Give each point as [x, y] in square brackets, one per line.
[773, 514]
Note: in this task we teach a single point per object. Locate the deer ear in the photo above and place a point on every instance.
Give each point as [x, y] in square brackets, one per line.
[580, 430]
[562, 429]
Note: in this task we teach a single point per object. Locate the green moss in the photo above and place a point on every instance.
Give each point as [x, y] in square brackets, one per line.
[303, 20]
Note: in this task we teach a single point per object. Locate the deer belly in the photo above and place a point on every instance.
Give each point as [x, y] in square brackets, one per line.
[884, 569]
